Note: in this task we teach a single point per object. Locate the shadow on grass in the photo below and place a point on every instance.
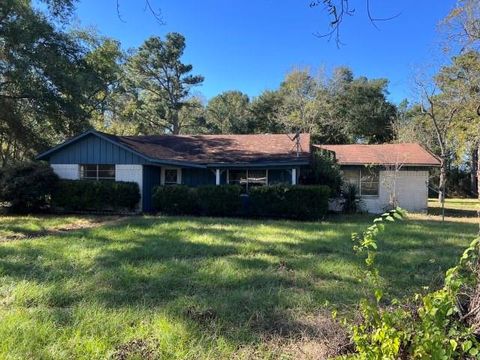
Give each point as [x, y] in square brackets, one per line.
[437, 210]
[238, 274]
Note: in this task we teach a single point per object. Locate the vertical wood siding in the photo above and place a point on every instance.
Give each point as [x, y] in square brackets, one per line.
[151, 178]
[94, 150]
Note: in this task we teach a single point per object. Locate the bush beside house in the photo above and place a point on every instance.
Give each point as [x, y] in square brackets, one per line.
[27, 187]
[88, 195]
[295, 202]
[280, 201]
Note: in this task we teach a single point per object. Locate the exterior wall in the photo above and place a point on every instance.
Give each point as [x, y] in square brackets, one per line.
[151, 178]
[409, 186]
[198, 177]
[67, 171]
[131, 173]
[94, 150]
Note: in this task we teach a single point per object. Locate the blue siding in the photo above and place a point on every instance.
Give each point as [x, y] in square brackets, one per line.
[198, 177]
[94, 150]
[151, 178]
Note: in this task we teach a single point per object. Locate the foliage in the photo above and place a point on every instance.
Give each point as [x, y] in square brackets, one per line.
[162, 82]
[48, 81]
[324, 171]
[175, 200]
[434, 330]
[222, 200]
[228, 113]
[351, 202]
[88, 195]
[293, 202]
[27, 186]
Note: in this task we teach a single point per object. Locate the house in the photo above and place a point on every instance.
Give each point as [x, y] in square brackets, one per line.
[247, 160]
[386, 174]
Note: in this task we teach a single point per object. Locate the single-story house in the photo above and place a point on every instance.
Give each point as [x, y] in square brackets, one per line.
[386, 174]
[247, 160]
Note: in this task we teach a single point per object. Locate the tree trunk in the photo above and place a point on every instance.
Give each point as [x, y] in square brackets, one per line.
[478, 171]
[442, 181]
[474, 171]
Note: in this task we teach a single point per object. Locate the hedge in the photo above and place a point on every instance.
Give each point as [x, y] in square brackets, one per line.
[280, 201]
[88, 195]
[294, 202]
[219, 200]
[175, 200]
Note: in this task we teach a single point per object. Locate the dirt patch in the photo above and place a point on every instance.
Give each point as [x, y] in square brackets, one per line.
[203, 317]
[306, 337]
[136, 349]
[80, 224]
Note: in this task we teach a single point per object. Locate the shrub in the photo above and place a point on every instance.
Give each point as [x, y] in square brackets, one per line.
[220, 200]
[175, 200]
[297, 202]
[88, 195]
[324, 171]
[434, 325]
[351, 201]
[27, 186]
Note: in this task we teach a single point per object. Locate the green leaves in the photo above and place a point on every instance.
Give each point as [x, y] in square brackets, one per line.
[434, 330]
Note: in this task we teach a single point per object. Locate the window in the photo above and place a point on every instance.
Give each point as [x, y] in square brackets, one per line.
[369, 182]
[365, 179]
[171, 177]
[247, 178]
[97, 172]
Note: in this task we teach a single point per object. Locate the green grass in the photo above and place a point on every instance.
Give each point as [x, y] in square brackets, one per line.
[195, 287]
[455, 207]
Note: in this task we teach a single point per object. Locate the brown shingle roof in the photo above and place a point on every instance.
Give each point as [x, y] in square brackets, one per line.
[384, 154]
[205, 149]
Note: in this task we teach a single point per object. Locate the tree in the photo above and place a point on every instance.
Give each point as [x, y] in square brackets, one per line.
[265, 110]
[299, 111]
[47, 84]
[162, 81]
[460, 82]
[363, 109]
[228, 113]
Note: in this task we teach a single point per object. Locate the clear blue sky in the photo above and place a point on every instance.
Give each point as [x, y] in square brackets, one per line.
[250, 45]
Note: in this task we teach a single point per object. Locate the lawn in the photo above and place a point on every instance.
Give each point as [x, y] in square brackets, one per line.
[197, 288]
[455, 207]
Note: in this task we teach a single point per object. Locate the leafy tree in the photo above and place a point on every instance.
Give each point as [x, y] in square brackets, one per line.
[228, 113]
[362, 108]
[48, 86]
[265, 110]
[299, 111]
[163, 83]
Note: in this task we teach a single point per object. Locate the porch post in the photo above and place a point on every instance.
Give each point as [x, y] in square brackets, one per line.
[217, 176]
[294, 176]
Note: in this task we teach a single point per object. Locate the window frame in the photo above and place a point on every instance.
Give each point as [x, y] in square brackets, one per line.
[163, 176]
[248, 183]
[98, 171]
[360, 180]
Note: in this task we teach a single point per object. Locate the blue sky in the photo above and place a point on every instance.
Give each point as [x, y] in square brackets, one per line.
[250, 45]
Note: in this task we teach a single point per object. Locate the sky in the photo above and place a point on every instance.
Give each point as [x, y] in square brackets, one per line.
[250, 45]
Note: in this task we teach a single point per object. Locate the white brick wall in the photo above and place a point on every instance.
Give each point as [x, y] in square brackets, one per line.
[67, 171]
[132, 173]
[409, 187]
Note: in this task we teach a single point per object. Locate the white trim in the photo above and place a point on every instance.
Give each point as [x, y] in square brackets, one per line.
[67, 171]
[294, 176]
[162, 174]
[132, 173]
[217, 177]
